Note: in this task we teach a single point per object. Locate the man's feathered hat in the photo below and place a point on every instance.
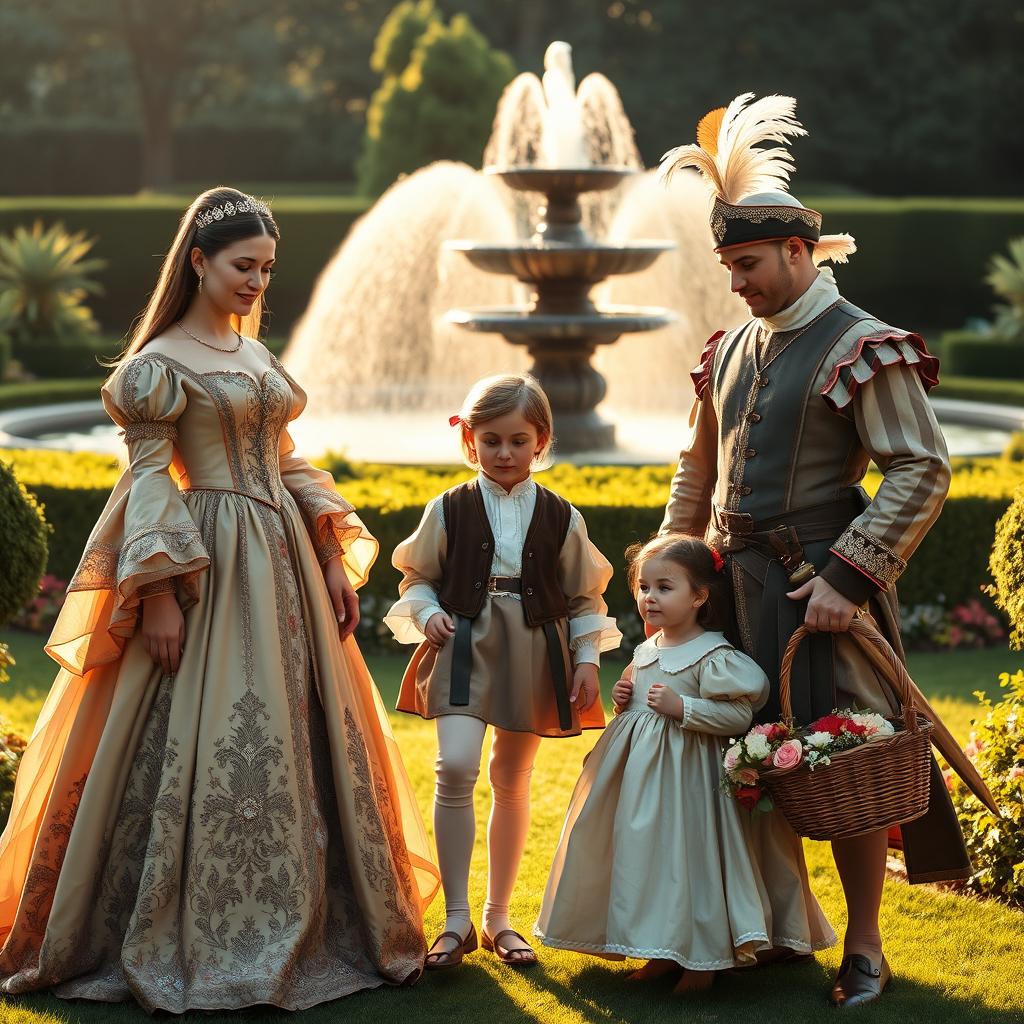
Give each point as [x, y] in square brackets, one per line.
[750, 185]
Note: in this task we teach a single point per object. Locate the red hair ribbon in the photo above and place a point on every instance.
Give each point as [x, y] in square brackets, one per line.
[454, 421]
[717, 560]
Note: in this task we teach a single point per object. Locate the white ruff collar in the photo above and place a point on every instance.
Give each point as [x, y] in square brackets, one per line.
[821, 294]
[680, 657]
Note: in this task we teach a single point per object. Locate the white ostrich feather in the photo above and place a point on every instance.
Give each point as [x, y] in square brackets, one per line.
[726, 152]
[837, 248]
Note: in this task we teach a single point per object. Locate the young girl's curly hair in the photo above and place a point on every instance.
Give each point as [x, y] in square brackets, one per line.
[701, 563]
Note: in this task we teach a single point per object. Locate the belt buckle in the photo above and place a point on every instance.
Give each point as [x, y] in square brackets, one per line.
[492, 584]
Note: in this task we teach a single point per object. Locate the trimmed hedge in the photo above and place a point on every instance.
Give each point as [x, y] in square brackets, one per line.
[23, 554]
[887, 277]
[969, 354]
[133, 233]
[47, 392]
[620, 505]
[981, 389]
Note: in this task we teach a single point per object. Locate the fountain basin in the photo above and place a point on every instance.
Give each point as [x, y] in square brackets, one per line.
[568, 181]
[558, 262]
[522, 326]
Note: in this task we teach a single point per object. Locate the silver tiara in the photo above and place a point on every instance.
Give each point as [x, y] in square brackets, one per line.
[229, 209]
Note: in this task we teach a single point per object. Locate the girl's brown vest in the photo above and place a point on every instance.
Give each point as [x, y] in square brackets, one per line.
[467, 574]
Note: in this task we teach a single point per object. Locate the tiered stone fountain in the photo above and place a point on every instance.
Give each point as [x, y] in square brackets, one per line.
[562, 326]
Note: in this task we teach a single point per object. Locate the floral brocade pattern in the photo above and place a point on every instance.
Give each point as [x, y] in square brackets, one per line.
[224, 858]
[871, 556]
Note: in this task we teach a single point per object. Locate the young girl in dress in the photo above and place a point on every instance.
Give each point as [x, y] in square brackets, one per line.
[654, 860]
[502, 590]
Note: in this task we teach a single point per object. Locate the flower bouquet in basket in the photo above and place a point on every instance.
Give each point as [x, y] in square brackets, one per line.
[849, 772]
[779, 747]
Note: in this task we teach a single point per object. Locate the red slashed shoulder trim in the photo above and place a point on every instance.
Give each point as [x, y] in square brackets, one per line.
[701, 374]
[872, 353]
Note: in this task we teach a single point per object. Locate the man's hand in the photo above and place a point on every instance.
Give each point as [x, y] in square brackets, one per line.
[343, 597]
[827, 610]
[439, 630]
[586, 686]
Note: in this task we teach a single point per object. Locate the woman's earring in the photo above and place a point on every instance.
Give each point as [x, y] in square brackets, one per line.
[200, 283]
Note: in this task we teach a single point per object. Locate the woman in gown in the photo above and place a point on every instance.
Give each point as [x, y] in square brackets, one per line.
[212, 812]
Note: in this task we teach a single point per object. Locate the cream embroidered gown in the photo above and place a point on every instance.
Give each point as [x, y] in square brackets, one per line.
[245, 832]
[654, 860]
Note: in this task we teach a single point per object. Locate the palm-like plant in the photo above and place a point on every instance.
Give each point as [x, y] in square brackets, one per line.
[1006, 278]
[44, 282]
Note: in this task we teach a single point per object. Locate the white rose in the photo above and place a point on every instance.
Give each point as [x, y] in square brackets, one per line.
[818, 739]
[757, 746]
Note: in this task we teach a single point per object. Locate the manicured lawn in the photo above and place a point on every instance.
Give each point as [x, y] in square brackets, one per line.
[956, 959]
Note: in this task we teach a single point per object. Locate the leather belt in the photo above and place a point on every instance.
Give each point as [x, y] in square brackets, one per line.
[505, 585]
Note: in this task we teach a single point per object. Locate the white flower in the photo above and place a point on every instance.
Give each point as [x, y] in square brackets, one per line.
[818, 739]
[757, 746]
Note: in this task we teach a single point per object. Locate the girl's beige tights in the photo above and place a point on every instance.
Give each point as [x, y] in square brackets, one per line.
[459, 745]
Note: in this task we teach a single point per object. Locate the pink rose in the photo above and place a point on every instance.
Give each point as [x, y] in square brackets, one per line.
[747, 777]
[763, 730]
[731, 757]
[1017, 772]
[788, 755]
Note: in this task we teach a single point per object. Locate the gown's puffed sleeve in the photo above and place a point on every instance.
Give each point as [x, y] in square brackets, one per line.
[332, 523]
[145, 542]
[420, 559]
[583, 575]
[732, 687]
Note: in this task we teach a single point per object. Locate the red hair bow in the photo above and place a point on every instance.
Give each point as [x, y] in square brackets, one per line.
[717, 560]
[454, 421]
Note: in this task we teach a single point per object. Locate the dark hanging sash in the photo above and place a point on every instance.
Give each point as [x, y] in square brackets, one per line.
[769, 550]
[462, 656]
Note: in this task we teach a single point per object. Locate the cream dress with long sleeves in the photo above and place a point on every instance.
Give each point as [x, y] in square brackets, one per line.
[654, 860]
[244, 832]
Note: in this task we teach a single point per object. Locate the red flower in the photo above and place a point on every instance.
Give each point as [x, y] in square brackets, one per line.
[748, 796]
[833, 724]
[855, 728]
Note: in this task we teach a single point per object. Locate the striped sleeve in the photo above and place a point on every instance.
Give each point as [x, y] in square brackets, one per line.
[897, 426]
[689, 504]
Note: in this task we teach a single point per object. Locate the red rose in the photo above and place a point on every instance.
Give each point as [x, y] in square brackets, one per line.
[748, 796]
[855, 727]
[833, 724]
[778, 732]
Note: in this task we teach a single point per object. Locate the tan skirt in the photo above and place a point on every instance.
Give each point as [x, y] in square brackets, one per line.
[510, 685]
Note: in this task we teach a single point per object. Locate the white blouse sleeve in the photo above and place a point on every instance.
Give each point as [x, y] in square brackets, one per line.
[732, 688]
[420, 558]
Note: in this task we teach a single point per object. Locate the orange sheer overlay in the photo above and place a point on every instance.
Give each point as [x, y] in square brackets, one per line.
[147, 537]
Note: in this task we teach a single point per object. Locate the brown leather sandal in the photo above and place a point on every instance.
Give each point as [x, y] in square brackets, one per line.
[512, 957]
[453, 957]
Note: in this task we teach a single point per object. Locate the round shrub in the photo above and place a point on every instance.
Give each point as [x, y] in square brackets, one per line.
[996, 844]
[23, 552]
[1014, 450]
[1007, 567]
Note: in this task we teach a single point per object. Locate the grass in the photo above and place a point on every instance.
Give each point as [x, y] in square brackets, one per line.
[956, 959]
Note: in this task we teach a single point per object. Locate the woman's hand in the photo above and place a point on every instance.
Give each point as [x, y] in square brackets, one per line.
[827, 610]
[585, 682]
[665, 701]
[622, 692]
[343, 597]
[163, 631]
[439, 630]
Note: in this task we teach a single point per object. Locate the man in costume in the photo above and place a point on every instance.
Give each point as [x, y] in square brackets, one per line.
[789, 410]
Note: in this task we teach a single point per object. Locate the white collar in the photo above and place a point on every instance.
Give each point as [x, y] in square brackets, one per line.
[681, 656]
[818, 297]
[489, 485]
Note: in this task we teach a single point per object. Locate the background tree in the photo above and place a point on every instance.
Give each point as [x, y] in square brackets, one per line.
[440, 105]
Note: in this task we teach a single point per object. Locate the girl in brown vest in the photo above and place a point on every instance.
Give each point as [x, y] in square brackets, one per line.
[502, 592]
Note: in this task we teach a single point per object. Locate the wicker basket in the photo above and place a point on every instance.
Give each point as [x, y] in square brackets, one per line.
[870, 787]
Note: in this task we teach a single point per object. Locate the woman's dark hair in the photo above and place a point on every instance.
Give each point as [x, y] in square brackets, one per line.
[177, 283]
[696, 558]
